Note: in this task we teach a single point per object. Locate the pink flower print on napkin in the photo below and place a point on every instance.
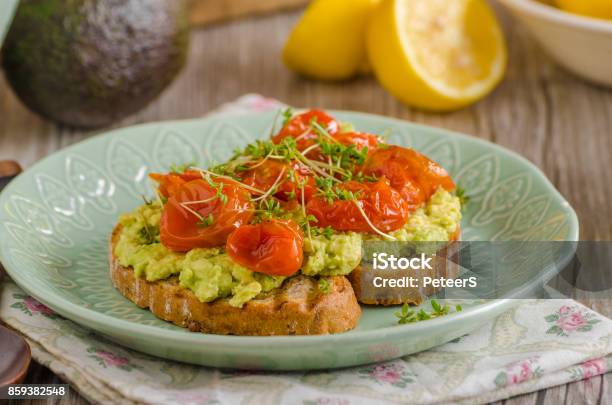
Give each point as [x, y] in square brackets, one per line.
[30, 306]
[591, 368]
[111, 359]
[518, 372]
[588, 369]
[107, 359]
[393, 373]
[570, 319]
[37, 307]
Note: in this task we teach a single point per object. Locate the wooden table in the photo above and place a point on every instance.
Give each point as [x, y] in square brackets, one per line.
[558, 122]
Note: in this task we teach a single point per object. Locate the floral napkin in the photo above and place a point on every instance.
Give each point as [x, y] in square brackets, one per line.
[538, 344]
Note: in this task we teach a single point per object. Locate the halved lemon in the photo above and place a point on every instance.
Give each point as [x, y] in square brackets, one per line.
[329, 40]
[436, 54]
[589, 8]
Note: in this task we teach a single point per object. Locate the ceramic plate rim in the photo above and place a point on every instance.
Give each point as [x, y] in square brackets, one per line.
[91, 318]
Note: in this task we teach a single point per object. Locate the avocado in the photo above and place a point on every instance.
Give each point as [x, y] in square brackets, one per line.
[88, 63]
[211, 273]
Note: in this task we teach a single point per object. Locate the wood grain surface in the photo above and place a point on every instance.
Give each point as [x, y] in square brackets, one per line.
[560, 123]
[212, 11]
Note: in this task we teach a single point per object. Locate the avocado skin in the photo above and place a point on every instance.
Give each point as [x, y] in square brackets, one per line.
[88, 63]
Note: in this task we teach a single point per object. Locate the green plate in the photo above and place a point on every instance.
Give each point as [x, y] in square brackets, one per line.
[7, 9]
[58, 215]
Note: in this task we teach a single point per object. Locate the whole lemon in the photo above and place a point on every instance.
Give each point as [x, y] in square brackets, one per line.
[329, 40]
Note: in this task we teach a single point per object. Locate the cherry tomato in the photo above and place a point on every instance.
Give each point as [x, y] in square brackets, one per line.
[414, 175]
[182, 230]
[273, 247]
[359, 139]
[170, 182]
[299, 127]
[291, 205]
[264, 175]
[384, 207]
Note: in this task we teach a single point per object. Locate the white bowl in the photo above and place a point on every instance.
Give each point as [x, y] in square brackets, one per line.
[582, 45]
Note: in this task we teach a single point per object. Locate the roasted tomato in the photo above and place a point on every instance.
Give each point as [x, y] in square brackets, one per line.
[299, 127]
[414, 175]
[169, 183]
[195, 216]
[264, 175]
[359, 139]
[273, 247]
[384, 207]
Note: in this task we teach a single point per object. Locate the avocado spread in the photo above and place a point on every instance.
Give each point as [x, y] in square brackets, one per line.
[212, 274]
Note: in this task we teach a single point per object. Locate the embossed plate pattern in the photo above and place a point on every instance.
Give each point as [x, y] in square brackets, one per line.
[56, 218]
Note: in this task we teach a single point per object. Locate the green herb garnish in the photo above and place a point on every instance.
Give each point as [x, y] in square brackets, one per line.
[328, 190]
[146, 200]
[345, 159]
[178, 169]
[287, 115]
[206, 221]
[407, 315]
[463, 198]
[327, 232]
[146, 236]
[218, 187]
[324, 286]
[268, 209]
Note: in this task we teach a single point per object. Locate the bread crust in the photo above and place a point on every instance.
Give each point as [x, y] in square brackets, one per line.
[407, 295]
[298, 307]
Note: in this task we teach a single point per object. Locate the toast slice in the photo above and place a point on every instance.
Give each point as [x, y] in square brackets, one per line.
[298, 307]
[361, 280]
